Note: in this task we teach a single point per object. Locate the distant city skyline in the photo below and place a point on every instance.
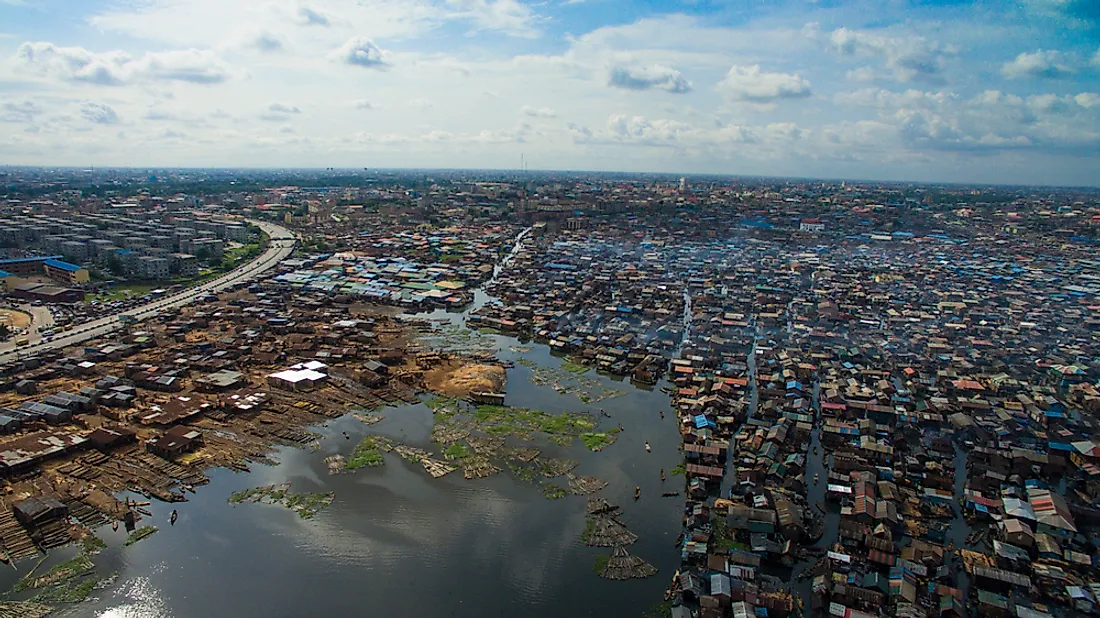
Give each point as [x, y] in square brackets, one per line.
[896, 90]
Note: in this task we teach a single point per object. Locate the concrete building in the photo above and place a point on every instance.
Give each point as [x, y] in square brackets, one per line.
[66, 272]
[154, 267]
[74, 250]
[184, 264]
[236, 232]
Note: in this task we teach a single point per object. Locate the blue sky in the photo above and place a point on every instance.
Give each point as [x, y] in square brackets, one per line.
[1005, 92]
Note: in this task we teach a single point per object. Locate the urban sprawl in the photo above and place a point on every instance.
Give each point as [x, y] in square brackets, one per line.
[886, 394]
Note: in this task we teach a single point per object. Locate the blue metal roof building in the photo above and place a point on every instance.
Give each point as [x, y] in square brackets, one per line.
[61, 265]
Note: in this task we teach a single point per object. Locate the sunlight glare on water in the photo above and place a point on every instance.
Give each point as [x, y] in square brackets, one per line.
[143, 600]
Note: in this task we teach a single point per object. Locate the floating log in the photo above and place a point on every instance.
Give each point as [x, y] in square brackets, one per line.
[477, 467]
[437, 468]
[335, 464]
[486, 445]
[598, 506]
[525, 454]
[607, 531]
[622, 565]
[584, 485]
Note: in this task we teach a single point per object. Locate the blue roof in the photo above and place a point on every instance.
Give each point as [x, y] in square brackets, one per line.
[62, 265]
[4, 273]
[30, 259]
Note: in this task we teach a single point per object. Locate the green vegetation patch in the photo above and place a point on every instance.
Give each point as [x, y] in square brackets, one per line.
[723, 536]
[589, 529]
[523, 473]
[660, 610]
[306, 505]
[457, 451]
[600, 563]
[597, 441]
[68, 592]
[574, 367]
[139, 534]
[552, 491]
[505, 420]
[65, 571]
[92, 544]
[679, 470]
[367, 453]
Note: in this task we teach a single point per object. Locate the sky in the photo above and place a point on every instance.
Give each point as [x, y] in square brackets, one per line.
[914, 90]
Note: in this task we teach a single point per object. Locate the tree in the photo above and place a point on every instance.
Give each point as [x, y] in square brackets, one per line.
[115, 266]
[5, 332]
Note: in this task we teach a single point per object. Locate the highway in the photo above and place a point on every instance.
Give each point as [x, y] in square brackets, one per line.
[280, 247]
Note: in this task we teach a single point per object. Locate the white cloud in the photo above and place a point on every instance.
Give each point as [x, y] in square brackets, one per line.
[115, 68]
[654, 76]
[308, 16]
[1043, 63]
[906, 58]
[19, 111]
[98, 113]
[358, 51]
[267, 42]
[755, 86]
[284, 108]
[363, 104]
[538, 112]
[508, 16]
[989, 121]
[1087, 100]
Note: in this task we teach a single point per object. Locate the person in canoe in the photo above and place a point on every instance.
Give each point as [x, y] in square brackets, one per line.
[662, 474]
[637, 492]
[647, 448]
[174, 517]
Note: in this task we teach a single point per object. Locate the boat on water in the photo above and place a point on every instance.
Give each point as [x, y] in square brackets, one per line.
[817, 477]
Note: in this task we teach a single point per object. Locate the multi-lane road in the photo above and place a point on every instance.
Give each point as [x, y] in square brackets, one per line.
[280, 247]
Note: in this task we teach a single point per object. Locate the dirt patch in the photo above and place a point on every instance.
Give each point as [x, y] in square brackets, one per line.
[14, 319]
[459, 380]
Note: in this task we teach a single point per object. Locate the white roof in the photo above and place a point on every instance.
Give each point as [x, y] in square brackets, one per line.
[298, 375]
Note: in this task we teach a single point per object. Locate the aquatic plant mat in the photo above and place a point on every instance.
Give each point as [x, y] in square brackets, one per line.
[307, 505]
[68, 582]
[139, 534]
[568, 380]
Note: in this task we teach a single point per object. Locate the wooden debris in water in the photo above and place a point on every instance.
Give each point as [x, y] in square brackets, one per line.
[584, 485]
[487, 445]
[607, 531]
[525, 454]
[622, 565]
[478, 467]
[448, 434]
[335, 464]
[437, 468]
[23, 609]
[555, 467]
[411, 453]
[369, 419]
[600, 506]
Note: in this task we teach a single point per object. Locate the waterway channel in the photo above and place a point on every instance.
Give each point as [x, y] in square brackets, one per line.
[397, 542]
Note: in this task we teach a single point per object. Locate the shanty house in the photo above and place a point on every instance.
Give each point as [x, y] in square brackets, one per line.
[38, 510]
[175, 442]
